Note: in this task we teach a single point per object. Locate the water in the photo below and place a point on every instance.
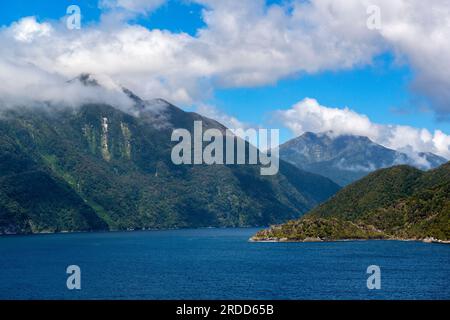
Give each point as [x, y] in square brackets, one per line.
[217, 264]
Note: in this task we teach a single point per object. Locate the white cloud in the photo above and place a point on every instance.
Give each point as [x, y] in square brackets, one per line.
[244, 43]
[214, 113]
[28, 29]
[151, 62]
[309, 116]
[251, 44]
[418, 32]
[36, 87]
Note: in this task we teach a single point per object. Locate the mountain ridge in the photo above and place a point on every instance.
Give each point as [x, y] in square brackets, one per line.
[394, 203]
[113, 171]
[347, 158]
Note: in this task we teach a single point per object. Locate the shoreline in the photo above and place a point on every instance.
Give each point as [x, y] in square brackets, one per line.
[318, 240]
[119, 231]
[251, 239]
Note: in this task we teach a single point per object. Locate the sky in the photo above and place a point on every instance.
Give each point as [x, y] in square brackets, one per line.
[295, 65]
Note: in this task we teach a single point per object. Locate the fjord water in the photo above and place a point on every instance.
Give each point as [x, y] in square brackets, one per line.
[217, 264]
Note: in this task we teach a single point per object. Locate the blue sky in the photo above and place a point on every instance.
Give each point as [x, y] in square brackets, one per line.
[14, 10]
[176, 16]
[381, 90]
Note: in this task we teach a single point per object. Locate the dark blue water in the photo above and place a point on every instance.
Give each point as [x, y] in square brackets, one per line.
[217, 264]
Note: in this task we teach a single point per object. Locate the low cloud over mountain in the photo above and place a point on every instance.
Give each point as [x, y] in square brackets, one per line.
[242, 44]
[309, 116]
[347, 158]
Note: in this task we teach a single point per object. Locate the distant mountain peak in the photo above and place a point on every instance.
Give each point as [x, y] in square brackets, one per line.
[345, 158]
[86, 79]
[140, 104]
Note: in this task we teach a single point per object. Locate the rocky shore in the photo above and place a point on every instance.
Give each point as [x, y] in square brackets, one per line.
[259, 238]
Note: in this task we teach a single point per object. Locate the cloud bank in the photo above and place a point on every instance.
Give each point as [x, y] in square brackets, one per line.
[244, 44]
[309, 116]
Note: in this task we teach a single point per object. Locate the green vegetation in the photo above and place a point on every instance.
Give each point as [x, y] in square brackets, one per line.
[318, 229]
[396, 203]
[65, 170]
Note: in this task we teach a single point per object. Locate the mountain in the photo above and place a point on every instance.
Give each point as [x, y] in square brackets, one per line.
[99, 168]
[347, 158]
[401, 202]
